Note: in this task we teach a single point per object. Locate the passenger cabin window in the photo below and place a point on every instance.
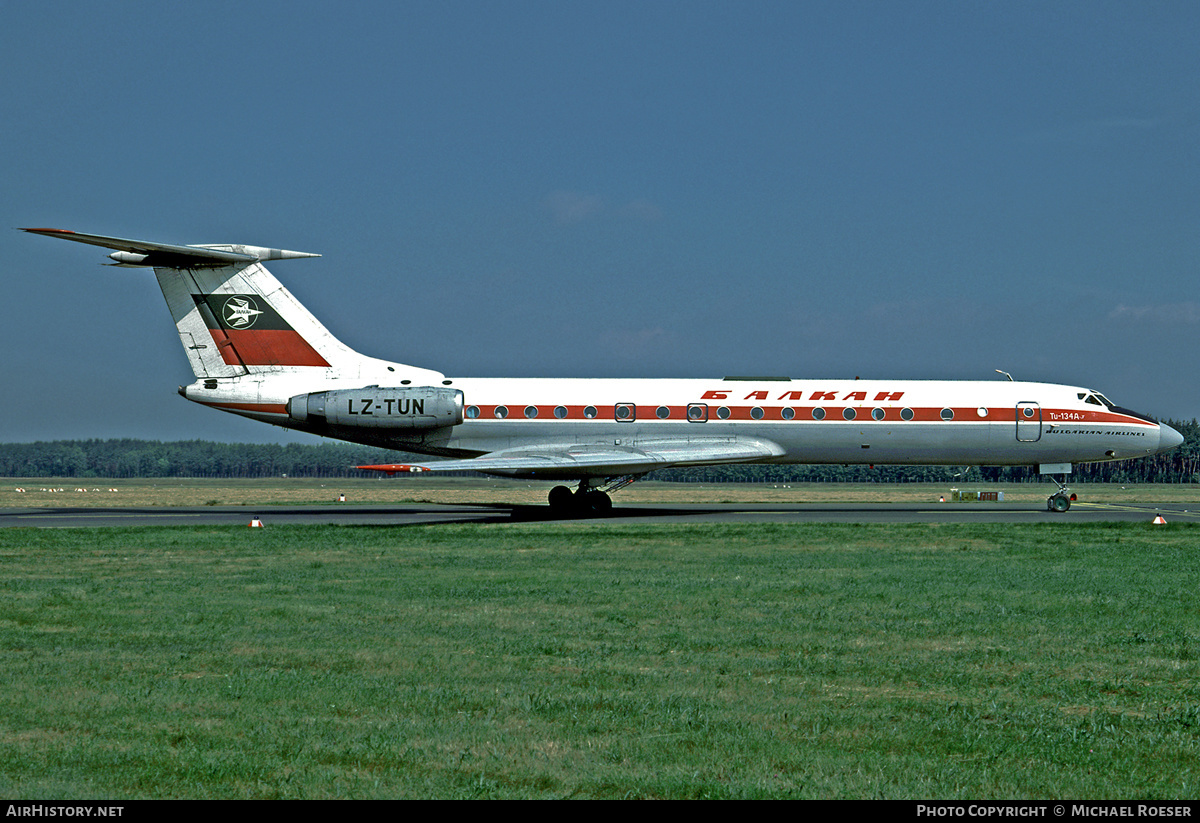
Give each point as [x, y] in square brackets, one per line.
[788, 413]
[624, 412]
[472, 412]
[907, 414]
[560, 412]
[947, 414]
[662, 412]
[877, 413]
[501, 411]
[531, 412]
[590, 412]
[756, 413]
[723, 413]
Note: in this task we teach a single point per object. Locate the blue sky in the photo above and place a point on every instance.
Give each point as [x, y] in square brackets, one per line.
[651, 189]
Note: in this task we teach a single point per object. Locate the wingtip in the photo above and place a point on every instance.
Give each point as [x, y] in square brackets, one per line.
[393, 468]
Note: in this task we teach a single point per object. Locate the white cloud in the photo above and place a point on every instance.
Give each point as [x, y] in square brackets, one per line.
[573, 207]
[635, 342]
[642, 210]
[1172, 314]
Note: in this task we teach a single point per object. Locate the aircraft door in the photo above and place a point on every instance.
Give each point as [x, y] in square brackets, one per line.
[1029, 422]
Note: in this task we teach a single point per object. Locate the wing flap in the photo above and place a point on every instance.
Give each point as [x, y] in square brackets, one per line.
[573, 462]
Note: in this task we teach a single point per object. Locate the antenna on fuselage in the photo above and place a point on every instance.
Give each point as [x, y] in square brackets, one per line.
[1006, 374]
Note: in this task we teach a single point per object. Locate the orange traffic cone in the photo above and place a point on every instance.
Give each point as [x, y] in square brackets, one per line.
[256, 523]
[1159, 520]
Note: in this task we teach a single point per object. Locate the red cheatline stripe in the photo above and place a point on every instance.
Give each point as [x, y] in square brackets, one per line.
[962, 414]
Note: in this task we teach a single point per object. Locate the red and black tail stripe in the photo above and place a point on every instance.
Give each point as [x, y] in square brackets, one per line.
[249, 332]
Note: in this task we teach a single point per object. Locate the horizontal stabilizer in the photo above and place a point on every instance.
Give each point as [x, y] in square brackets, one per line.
[167, 256]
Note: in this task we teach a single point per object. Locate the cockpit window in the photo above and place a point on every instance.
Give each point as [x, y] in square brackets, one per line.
[1104, 400]
[1091, 398]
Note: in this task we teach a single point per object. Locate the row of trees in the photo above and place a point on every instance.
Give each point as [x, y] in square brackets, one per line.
[200, 458]
[189, 458]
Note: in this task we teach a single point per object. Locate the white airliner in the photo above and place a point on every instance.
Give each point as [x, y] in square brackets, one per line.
[258, 353]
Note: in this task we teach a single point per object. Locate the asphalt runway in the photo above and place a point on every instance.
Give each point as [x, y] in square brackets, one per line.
[422, 513]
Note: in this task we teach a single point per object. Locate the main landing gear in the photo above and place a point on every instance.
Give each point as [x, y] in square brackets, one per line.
[1061, 500]
[590, 499]
[583, 502]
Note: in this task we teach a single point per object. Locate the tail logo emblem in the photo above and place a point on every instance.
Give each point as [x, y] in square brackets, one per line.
[240, 312]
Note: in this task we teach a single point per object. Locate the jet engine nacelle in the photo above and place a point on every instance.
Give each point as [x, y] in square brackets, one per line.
[128, 259]
[408, 407]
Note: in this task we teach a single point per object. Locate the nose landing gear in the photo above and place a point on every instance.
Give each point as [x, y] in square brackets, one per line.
[1061, 500]
[1058, 502]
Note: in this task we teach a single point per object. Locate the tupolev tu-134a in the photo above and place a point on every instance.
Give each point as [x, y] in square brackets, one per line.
[257, 352]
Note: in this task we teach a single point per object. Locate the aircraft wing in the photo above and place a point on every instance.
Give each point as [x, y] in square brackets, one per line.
[577, 461]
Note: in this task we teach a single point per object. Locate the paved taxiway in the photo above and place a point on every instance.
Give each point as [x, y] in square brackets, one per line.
[419, 513]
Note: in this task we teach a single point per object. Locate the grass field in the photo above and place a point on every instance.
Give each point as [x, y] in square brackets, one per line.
[596, 660]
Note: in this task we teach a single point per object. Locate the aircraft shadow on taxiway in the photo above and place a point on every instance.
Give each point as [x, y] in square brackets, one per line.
[431, 513]
[535, 513]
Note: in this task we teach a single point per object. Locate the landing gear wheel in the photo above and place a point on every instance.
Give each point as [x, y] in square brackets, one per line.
[561, 499]
[1058, 502]
[597, 502]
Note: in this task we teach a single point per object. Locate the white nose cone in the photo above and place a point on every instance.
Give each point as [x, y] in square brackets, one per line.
[1168, 438]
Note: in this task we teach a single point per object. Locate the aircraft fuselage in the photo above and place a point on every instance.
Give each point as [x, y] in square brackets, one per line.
[813, 421]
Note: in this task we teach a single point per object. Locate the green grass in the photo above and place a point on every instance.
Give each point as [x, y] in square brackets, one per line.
[595, 660]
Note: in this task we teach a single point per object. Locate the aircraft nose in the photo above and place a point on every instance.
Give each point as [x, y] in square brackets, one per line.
[1168, 438]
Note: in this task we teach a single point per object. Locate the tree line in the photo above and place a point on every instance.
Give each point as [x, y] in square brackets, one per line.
[126, 458]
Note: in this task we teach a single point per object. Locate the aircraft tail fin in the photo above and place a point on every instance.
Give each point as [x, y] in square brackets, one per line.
[240, 319]
[233, 316]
